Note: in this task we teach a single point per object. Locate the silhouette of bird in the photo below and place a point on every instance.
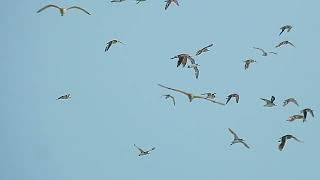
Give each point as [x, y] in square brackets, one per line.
[142, 152]
[286, 27]
[64, 97]
[264, 53]
[114, 41]
[169, 96]
[284, 43]
[210, 95]
[269, 103]
[63, 10]
[290, 100]
[284, 139]
[248, 62]
[236, 96]
[205, 49]
[168, 2]
[237, 139]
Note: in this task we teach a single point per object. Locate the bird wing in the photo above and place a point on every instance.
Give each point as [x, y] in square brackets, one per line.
[266, 100]
[272, 99]
[191, 59]
[177, 90]
[281, 145]
[273, 53]
[291, 44]
[47, 6]
[200, 97]
[259, 49]
[77, 7]
[174, 102]
[245, 144]
[141, 150]
[208, 46]
[167, 4]
[196, 70]
[108, 46]
[294, 101]
[296, 139]
[237, 98]
[282, 30]
[234, 134]
[228, 99]
[176, 1]
[311, 112]
[151, 149]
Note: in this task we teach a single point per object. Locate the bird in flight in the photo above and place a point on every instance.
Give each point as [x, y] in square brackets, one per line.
[286, 27]
[237, 139]
[290, 100]
[142, 152]
[114, 41]
[296, 117]
[168, 2]
[190, 96]
[269, 103]
[236, 96]
[264, 53]
[248, 62]
[67, 96]
[284, 43]
[284, 139]
[62, 10]
[113, 1]
[205, 49]
[305, 113]
[139, 1]
[183, 59]
[195, 68]
[167, 96]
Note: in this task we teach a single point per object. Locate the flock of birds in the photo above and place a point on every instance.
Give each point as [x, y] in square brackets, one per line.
[187, 60]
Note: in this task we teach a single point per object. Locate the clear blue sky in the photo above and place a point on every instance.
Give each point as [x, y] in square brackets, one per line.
[116, 101]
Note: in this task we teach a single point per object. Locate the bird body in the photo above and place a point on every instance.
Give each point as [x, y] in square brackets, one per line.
[113, 1]
[269, 103]
[210, 95]
[63, 10]
[296, 117]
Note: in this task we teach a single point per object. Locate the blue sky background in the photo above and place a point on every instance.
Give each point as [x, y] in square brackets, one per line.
[116, 101]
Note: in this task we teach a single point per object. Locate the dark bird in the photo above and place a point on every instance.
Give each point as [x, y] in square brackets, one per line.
[286, 27]
[236, 96]
[237, 139]
[142, 152]
[269, 103]
[205, 49]
[114, 41]
[168, 2]
[284, 43]
[284, 139]
[183, 59]
[63, 10]
[305, 113]
[64, 97]
[167, 96]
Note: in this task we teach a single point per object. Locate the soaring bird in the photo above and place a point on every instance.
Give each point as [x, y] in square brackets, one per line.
[67, 96]
[205, 49]
[290, 100]
[236, 96]
[142, 152]
[269, 103]
[210, 95]
[296, 117]
[237, 139]
[190, 96]
[62, 10]
[286, 27]
[284, 43]
[183, 59]
[113, 1]
[139, 1]
[305, 113]
[114, 41]
[248, 62]
[284, 139]
[169, 96]
[168, 2]
[195, 68]
[264, 53]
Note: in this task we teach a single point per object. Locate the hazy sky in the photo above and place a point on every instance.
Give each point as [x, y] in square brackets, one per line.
[116, 101]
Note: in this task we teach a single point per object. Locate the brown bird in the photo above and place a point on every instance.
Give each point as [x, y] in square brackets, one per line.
[190, 96]
[183, 59]
[205, 49]
[305, 113]
[168, 2]
[284, 139]
[236, 96]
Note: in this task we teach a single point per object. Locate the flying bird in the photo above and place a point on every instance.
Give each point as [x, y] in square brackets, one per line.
[284, 139]
[64, 97]
[296, 117]
[284, 43]
[286, 27]
[236, 96]
[168, 2]
[264, 53]
[190, 96]
[248, 62]
[63, 10]
[183, 59]
[290, 100]
[269, 103]
[142, 152]
[237, 139]
[305, 113]
[205, 49]
[139, 1]
[195, 68]
[114, 41]
[167, 96]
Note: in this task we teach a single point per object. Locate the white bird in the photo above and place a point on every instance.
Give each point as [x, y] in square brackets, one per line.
[190, 96]
[264, 53]
[168, 2]
[286, 27]
[269, 103]
[290, 100]
[169, 96]
[296, 117]
[237, 139]
[284, 43]
[142, 152]
[284, 139]
[205, 49]
[64, 97]
[62, 10]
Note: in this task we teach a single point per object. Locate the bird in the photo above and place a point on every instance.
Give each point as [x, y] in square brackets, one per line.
[139, 1]
[269, 103]
[290, 100]
[64, 97]
[233, 96]
[168, 2]
[264, 53]
[210, 95]
[205, 49]
[237, 139]
[195, 68]
[62, 9]
[286, 27]
[113, 1]
[305, 113]
[190, 96]
[183, 59]
[248, 62]
[284, 139]
[284, 43]
[296, 117]
[142, 152]
[114, 41]
[169, 96]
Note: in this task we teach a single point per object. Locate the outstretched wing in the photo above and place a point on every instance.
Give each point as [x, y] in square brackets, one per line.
[273, 53]
[177, 90]
[108, 46]
[48, 6]
[246, 145]
[77, 7]
[141, 150]
[291, 44]
[259, 49]
[266, 100]
[151, 149]
[208, 99]
[228, 99]
[191, 59]
[281, 145]
[174, 101]
[196, 70]
[296, 139]
[234, 134]
[167, 4]
[272, 99]
[208, 46]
